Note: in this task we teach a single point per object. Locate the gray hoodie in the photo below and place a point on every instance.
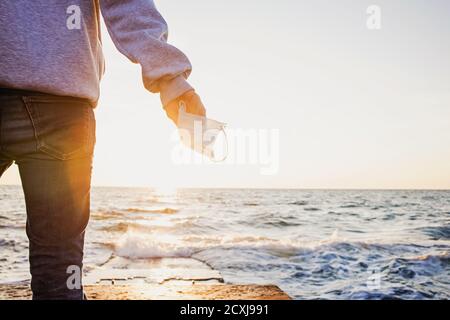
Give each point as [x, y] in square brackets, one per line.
[54, 46]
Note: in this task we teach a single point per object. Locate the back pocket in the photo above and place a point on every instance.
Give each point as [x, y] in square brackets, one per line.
[64, 127]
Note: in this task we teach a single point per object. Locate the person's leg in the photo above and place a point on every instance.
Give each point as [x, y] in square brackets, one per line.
[54, 155]
[57, 199]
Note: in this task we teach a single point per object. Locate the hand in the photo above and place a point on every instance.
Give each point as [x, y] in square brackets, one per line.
[193, 104]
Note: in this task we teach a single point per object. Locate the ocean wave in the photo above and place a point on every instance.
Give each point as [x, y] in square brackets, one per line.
[11, 243]
[7, 243]
[273, 219]
[154, 226]
[437, 233]
[18, 226]
[162, 211]
[437, 258]
[312, 209]
[117, 227]
[298, 203]
[106, 215]
[281, 223]
[432, 266]
[141, 245]
[251, 204]
[117, 214]
[138, 246]
[351, 205]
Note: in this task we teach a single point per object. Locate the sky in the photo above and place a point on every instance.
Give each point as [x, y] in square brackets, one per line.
[324, 101]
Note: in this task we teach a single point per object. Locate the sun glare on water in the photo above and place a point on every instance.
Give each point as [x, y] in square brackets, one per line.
[166, 190]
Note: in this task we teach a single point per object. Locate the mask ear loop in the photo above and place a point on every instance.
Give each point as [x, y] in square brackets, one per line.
[182, 106]
[226, 152]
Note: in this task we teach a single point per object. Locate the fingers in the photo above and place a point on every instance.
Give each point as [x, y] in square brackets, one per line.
[172, 111]
[193, 104]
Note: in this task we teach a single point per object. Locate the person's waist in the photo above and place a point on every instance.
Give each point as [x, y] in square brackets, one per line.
[20, 92]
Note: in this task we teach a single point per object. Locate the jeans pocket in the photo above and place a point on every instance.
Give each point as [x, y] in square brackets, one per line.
[64, 127]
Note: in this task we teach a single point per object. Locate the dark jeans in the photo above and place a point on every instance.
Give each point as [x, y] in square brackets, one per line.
[51, 139]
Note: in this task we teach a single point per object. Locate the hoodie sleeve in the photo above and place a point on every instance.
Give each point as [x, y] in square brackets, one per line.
[140, 33]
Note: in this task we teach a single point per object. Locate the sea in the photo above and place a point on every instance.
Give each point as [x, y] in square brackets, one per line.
[313, 244]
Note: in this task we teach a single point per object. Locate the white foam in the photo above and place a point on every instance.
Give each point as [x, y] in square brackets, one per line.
[137, 245]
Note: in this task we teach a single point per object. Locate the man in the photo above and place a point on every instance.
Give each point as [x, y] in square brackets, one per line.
[50, 67]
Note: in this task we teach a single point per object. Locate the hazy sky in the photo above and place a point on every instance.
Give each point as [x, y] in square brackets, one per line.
[355, 108]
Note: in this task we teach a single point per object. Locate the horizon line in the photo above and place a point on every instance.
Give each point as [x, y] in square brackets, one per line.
[264, 188]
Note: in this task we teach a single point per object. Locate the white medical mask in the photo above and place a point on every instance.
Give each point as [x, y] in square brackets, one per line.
[198, 132]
